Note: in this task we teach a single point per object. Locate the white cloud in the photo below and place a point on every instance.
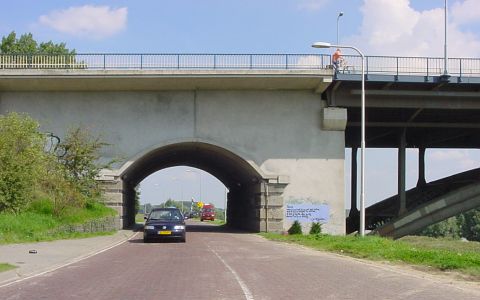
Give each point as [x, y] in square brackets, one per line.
[87, 21]
[465, 12]
[463, 159]
[312, 5]
[396, 28]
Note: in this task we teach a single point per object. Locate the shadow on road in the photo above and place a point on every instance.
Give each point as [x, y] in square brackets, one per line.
[192, 226]
[205, 227]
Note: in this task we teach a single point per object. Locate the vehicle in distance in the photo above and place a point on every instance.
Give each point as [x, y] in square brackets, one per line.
[164, 223]
[208, 212]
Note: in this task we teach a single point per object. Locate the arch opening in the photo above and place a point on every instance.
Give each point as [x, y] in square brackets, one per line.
[245, 199]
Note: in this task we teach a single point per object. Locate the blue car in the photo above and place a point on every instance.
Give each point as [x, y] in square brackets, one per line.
[164, 223]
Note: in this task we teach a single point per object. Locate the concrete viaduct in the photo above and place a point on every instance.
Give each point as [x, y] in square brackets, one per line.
[273, 128]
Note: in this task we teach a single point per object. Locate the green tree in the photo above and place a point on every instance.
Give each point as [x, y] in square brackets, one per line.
[465, 225]
[470, 225]
[26, 44]
[447, 228]
[23, 161]
[80, 158]
[173, 203]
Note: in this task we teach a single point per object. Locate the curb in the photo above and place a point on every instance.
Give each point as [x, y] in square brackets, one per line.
[9, 282]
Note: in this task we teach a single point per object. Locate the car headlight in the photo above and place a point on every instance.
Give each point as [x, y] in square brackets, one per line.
[179, 227]
[149, 227]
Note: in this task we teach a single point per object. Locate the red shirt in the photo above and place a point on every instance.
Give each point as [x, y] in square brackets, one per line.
[337, 55]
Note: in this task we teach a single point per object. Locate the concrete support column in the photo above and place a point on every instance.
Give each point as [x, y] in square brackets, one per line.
[353, 200]
[421, 167]
[129, 205]
[113, 196]
[271, 206]
[402, 199]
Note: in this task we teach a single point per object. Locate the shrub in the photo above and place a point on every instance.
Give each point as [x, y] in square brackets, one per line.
[80, 155]
[22, 161]
[30, 172]
[316, 228]
[296, 228]
[42, 206]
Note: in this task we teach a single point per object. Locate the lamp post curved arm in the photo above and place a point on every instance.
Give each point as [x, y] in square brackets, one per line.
[199, 179]
[340, 14]
[362, 155]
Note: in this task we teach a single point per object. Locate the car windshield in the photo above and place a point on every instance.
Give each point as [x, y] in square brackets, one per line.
[165, 215]
[208, 210]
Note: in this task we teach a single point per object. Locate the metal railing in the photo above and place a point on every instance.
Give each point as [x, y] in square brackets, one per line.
[166, 61]
[414, 66]
[379, 65]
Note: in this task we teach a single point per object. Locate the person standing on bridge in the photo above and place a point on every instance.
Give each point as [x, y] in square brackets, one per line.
[337, 59]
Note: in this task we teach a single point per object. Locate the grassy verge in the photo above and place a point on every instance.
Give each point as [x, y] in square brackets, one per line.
[38, 223]
[139, 218]
[217, 222]
[445, 256]
[6, 267]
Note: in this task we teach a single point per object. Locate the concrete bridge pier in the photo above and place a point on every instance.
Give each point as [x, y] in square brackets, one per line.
[402, 197]
[257, 207]
[353, 221]
[421, 167]
[113, 189]
[129, 195]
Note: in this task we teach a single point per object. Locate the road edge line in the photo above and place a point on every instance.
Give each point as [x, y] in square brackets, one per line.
[246, 291]
[75, 260]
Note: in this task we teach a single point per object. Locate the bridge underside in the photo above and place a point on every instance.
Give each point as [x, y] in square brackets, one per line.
[434, 115]
[411, 114]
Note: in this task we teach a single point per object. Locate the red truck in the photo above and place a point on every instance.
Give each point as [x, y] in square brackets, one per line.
[207, 212]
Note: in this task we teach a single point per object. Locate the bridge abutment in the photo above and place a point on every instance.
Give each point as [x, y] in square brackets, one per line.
[112, 188]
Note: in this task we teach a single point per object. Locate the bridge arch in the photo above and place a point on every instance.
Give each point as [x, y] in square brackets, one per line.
[244, 180]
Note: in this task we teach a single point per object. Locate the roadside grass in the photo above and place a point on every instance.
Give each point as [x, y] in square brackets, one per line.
[6, 267]
[139, 218]
[215, 222]
[446, 255]
[218, 222]
[39, 224]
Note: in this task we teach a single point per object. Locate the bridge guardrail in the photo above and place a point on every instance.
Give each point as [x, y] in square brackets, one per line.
[415, 66]
[165, 61]
[378, 65]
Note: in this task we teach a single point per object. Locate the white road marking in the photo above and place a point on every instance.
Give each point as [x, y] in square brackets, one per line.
[246, 292]
[67, 264]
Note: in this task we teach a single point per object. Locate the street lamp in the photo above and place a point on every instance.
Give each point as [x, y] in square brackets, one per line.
[225, 205]
[181, 190]
[362, 157]
[200, 181]
[340, 14]
[445, 68]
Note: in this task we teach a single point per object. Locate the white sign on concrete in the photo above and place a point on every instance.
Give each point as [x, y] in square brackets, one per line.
[308, 212]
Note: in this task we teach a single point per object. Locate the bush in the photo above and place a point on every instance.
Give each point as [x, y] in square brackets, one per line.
[29, 171]
[80, 153]
[42, 206]
[316, 228]
[22, 161]
[296, 228]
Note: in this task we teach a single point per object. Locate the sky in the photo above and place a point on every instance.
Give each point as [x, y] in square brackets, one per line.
[377, 27]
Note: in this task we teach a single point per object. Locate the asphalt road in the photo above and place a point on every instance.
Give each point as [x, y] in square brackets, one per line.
[215, 264]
